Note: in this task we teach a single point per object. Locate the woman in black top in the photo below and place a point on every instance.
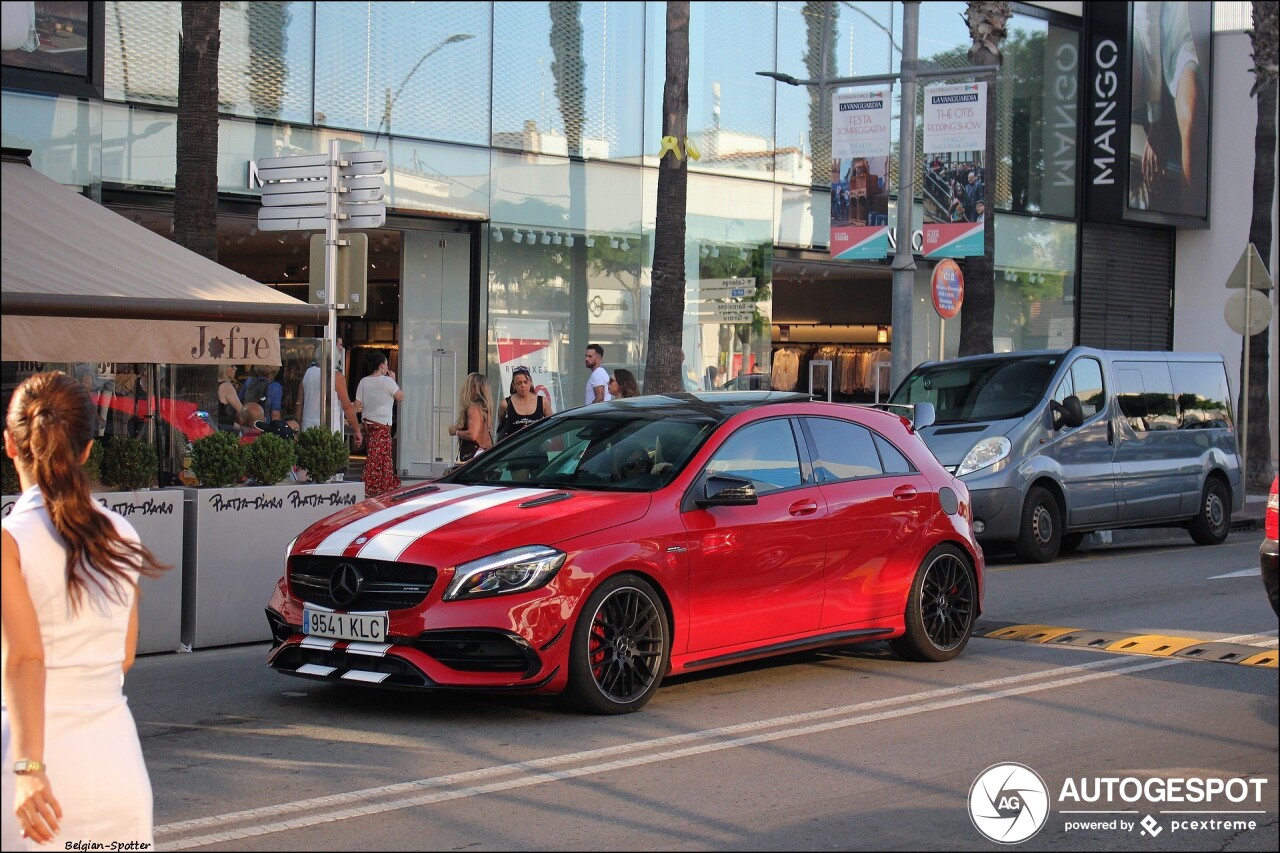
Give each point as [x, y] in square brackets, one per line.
[229, 404]
[523, 407]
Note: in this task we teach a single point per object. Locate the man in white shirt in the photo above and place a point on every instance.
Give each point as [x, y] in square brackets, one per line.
[308, 411]
[597, 390]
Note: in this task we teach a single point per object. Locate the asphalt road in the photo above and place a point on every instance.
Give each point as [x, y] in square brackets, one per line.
[848, 749]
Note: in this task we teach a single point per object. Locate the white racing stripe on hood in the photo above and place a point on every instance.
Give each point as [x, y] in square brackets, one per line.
[391, 543]
[339, 540]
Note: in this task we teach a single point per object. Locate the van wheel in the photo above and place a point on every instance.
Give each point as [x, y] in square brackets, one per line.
[620, 647]
[940, 608]
[1070, 543]
[1040, 536]
[1212, 524]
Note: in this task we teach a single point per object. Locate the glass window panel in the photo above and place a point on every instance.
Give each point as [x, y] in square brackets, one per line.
[533, 111]
[891, 457]
[845, 450]
[1035, 278]
[264, 61]
[406, 69]
[60, 133]
[731, 108]
[764, 453]
[1204, 400]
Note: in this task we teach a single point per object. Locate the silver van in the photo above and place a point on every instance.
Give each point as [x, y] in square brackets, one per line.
[1056, 444]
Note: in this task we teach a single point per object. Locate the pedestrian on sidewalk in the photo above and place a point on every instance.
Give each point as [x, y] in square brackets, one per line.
[70, 625]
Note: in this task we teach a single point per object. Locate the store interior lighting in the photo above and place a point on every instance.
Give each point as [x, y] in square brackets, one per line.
[882, 334]
[591, 241]
[568, 240]
[546, 238]
[497, 235]
[558, 240]
[613, 242]
[626, 246]
[518, 236]
[715, 251]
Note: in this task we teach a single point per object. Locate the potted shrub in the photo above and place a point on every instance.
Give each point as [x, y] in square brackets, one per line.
[322, 453]
[128, 464]
[218, 460]
[269, 459]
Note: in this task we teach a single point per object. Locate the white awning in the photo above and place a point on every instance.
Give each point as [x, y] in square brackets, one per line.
[78, 280]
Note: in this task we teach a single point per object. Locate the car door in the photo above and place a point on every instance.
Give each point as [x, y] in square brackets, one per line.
[756, 572]
[1152, 462]
[878, 505]
[1086, 454]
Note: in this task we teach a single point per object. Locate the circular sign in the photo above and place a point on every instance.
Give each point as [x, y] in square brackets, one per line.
[1259, 311]
[1008, 803]
[948, 289]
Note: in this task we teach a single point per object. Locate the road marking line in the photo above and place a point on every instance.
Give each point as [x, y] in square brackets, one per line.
[673, 747]
[1243, 573]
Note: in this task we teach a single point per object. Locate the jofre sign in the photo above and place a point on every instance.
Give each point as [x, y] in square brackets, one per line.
[948, 289]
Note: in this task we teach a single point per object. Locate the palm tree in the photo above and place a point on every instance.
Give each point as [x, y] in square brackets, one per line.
[988, 25]
[1266, 60]
[666, 306]
[195, 185]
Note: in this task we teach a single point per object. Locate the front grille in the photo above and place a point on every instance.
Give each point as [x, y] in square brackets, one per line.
[386, 585]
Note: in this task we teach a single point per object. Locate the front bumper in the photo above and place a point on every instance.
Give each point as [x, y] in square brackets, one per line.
[999, 510]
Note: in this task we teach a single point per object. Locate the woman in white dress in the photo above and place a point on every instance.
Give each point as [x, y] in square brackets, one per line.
[73, 768]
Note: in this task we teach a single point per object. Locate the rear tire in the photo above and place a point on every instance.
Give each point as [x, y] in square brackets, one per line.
[1040, 536]
[620, 648]
[1213, 522]
[941, 608]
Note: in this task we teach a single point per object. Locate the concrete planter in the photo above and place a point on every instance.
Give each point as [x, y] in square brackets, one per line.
[234, 553]
[157, 515]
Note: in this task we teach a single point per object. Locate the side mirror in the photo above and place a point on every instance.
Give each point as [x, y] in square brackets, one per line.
[1071, 412]
[723, 490]
[923, 415]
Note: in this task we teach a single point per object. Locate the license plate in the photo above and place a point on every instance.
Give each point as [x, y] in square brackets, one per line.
[368, 627]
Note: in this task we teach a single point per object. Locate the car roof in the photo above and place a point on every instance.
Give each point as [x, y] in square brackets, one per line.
[716, 406]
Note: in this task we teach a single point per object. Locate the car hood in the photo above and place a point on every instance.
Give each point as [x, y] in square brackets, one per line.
[447, 524]
[951, 442]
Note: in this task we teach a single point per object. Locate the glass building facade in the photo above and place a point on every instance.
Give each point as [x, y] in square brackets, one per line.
[523, 143]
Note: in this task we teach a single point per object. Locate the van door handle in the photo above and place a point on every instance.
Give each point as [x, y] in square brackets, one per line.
[804, 507]
[1111, 433]
[904, 493]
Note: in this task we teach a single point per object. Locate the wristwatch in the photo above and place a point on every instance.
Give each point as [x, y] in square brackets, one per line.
[27, 765]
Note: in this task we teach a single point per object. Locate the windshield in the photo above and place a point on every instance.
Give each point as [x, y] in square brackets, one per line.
[988, 390]
[606, 452]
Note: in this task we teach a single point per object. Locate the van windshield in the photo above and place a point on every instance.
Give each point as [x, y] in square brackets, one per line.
[983, 390]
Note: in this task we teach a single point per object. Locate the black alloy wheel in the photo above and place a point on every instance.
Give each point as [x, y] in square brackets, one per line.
[620, 647]
[941, 607]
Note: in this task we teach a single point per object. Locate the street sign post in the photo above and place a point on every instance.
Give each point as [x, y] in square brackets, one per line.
[948, 297]
[353, 274]
[316, 192]
[1248, 313]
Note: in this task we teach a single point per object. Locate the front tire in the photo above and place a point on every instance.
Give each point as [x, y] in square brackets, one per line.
[1213, 522]
[620, 648]
[941, 608]
[1040, 536]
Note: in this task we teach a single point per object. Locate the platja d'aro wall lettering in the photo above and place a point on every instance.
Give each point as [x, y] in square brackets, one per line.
[296, 499]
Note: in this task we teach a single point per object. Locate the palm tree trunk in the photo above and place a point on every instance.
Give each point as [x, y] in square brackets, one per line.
[1266, 53]
[195, 185]
[988, 22]
[666, 310]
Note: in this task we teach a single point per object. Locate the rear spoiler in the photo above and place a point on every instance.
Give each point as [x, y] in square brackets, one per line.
[920, 415]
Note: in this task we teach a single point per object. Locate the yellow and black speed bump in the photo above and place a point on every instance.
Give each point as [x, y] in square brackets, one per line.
[1156, 645]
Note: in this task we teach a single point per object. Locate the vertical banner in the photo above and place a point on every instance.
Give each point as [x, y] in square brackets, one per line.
[860, 149]
[954, 180]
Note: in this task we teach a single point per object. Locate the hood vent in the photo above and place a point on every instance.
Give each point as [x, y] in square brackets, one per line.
[958, 430]
[546, 499]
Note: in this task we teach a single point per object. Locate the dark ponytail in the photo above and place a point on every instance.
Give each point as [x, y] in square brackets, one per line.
[51, 419]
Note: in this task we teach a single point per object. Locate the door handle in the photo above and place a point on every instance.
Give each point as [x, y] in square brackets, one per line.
[804, 507]
[904, 493]
[1111, 433]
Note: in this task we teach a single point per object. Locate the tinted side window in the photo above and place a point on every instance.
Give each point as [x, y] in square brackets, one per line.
[844, 450]
[764, 453]
[891, 458]
[1204, 401]
[1146, 395]
[1085, 381]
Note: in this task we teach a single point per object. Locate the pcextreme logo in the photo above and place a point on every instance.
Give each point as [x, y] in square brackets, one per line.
[1008, 803]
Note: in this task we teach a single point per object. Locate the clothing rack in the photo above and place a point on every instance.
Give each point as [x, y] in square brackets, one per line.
[854, 373]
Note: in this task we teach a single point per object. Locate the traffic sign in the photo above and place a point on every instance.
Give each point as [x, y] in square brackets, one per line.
[316, 166]
[352, 274]
[286, 193]
[1257, 314]
[948, 289]
[1249, 271]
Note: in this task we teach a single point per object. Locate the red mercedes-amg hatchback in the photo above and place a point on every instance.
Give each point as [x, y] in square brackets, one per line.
[608, 546]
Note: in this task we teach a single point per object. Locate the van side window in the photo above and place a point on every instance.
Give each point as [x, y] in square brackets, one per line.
[1202, 396]
[1085, 381]
[1145, 395]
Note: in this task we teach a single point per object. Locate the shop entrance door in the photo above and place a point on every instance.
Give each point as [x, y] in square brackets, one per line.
[435, 304]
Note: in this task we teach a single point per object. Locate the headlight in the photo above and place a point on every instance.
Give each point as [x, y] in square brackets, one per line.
[509, 571]
[989, 451]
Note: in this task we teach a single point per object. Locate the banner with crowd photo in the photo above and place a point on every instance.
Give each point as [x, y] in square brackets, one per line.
[860, 147]
[954, 179]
